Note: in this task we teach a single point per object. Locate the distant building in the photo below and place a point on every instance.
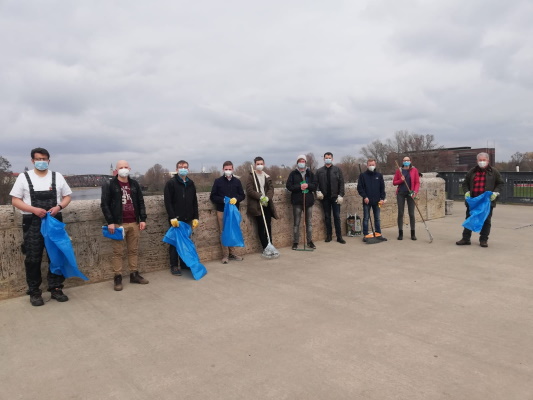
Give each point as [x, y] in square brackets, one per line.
[464, 158]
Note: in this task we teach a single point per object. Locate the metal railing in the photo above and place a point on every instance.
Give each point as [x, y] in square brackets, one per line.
[518, 187]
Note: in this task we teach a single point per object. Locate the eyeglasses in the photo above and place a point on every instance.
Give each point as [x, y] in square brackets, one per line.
[40, 159]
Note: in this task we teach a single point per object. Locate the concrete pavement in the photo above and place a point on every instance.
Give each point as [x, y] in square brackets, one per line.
[394, 320]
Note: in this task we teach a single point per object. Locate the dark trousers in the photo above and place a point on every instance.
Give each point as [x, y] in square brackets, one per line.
[329, 206]
[366, 216]
[261, 227]
[402, 198]
[33, 248]
[175, 259]
[485, 230]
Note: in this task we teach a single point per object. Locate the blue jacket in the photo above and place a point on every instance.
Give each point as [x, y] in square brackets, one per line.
[371, 185]
[223, 187]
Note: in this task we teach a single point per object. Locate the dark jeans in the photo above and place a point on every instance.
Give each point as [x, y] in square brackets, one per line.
[485, 230]
[261, 227]
[401, 199]
[175, 259]
[297, 214]
[366, 215]
[33, 249]
[329, 205]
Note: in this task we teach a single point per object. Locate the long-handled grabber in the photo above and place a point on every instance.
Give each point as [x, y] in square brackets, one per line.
[270, 251]
[416, 205]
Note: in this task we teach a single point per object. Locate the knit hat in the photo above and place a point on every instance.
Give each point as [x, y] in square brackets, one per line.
[302, 156]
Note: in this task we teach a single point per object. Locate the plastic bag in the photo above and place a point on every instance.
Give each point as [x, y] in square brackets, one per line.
[231, 231]
[479, 208]
[59, 248]
[179, 237]
[118, 235]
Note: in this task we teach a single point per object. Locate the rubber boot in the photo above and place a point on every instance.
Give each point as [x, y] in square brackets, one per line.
[413, 236]
[400, 234]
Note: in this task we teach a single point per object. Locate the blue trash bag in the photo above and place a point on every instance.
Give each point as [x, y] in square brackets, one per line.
[231, 226]
[59, 248]
[180, 238]
[117, 235]
[479, 210]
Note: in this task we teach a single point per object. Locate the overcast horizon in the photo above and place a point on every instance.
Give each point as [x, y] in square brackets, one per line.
[155, 82]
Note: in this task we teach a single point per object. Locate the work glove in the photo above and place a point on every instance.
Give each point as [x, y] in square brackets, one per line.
[493, 196]
[194, 223]
[319, 195]
[174, 222]
[381, 202]
[467, 195]
[412, 193]
[233, 200]
[264, 201]
[339, 200]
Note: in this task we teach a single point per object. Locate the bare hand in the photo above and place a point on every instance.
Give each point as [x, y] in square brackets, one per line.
[366, 200]
[142, 226]
[40, 212]
[403, 178]
[304, 186]
[111, 228]
[54, 210]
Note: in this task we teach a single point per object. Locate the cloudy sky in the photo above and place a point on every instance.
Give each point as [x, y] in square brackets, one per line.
[156, 81]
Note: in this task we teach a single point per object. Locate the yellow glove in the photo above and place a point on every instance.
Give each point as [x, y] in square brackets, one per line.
[194, 223]
[174, 222]
[233, 201]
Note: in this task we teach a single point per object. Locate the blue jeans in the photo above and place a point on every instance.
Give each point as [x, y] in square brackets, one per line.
[366, 215]
[330, 205]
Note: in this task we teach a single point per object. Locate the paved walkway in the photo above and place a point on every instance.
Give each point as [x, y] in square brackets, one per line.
[394, 320]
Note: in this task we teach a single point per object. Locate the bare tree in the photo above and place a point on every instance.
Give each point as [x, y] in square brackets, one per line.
[312, 162]
[6, 180]
[243, 170]
[349, 166]
[377, 150]
[156, 178]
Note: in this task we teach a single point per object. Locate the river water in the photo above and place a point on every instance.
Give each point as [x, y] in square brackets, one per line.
[86, 193]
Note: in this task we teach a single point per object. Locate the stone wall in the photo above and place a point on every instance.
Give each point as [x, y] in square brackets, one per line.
[84, 221]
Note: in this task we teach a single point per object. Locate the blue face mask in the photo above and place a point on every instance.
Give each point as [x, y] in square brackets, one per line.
[406, 163]
[183, 171]
[301, 165]
[328, 161]
[41, 165]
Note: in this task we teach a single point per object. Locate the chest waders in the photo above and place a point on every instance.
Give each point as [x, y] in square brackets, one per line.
[34, 242]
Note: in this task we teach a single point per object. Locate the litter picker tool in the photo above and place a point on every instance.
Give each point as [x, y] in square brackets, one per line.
[305, 223]
[369, 239]
[416, 205]
[270, 251]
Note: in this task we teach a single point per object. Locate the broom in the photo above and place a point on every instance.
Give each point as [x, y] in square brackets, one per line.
[270, 251]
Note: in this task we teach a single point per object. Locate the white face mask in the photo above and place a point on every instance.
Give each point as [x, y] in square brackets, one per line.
[123, 172]
[301, 165]
[259, 167]
[371, 168]
[228, 172]
[482, 164]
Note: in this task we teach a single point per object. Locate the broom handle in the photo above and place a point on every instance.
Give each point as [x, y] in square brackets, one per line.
[260, 206]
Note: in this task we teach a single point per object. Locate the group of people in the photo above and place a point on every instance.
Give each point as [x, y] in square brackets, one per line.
[39, 192]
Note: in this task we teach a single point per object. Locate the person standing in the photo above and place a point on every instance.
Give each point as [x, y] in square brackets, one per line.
[480, 179]
[36, 193]
[122, 204]
[330, 190]
[406, 193]
[301, 184]
[181, 204]
[260, 195]
[371, 187]
[227, 186]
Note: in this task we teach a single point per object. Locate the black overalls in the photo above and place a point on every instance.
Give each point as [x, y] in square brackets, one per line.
[34, 241]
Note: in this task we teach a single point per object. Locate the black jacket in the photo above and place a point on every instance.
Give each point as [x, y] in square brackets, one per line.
[180, 199]
[223, 187]
[371, 185]
[293, 185]
[336, 179]
[111, 201]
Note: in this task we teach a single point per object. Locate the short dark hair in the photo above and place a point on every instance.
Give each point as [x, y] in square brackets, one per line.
[182, 162]
[226, 163]
[39, 150]
[328, 154]
[258, 158]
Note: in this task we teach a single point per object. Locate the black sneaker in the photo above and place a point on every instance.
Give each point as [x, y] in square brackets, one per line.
[175, 271]
[36, 299]
[295, 246]
[311, 245]
[341, 240]
[117, 283]
[136, 278]
[58, 295]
